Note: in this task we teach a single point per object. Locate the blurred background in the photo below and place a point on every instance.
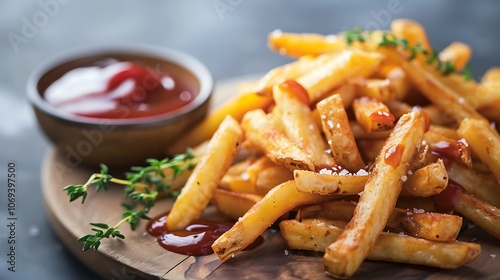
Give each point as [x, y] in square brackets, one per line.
[229, 36]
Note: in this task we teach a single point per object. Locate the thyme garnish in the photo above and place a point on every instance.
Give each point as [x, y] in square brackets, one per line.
[142, 187]
[390, 40]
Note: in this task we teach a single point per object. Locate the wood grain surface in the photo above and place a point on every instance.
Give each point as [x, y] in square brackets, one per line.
[140, 257]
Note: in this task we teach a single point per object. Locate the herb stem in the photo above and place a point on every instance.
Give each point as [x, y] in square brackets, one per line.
[390, 40]
[142, 186]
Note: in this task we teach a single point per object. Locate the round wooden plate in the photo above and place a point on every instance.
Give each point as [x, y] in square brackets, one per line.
[140, 256]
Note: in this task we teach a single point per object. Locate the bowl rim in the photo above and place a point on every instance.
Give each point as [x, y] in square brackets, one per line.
[179, 58]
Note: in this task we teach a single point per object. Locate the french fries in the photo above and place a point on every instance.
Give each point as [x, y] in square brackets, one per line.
[380, 89]
[277, 202]
[414, 222]
[362, 134]
[291, 101]
[336, 127]
[235, 107]
[234, 204]
[483, 186]
[457, 52]
[372, 114]
[264, 134]
[348, 64]
[316, 234]
[426, 181]
[484, 141]
[480, 212]
[435, 90]
[412, 31]
[298, 45]
[344, 256]
[197, 192]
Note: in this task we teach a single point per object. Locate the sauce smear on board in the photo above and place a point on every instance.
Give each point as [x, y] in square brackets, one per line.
[196, 239]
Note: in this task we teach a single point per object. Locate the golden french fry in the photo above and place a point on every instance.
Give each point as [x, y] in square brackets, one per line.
[480, 212]
[234, 204]
[199, 188]
[412, 31]
[337, 130]
[430, 225]
[256, 176]
[343, 257]
[457, 52]
[329, 183]
[297, 45]
[275, 203]
[347, 92]
[438, 116]
[399, 83]
[271, 177]
[369, 148]
[316, 234]
[241, 177]
[292, 108]
[434, 114]
[348, 64]
[360, 133]
[484, 141]
[480, 185]
[435, 90]
[468, 89]
[290, 71]
[380, 89]
[426, 181]
[414, 222]
[488, 92]
[492, 112]
[444, 131]
[267, 137]
[372, 114]
[236, 107]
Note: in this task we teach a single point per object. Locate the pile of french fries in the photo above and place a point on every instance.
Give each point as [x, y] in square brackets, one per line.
[361, 141]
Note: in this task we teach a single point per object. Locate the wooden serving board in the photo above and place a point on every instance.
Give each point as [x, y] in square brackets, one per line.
[140, 256]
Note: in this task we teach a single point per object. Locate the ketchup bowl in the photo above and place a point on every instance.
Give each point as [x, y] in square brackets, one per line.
[118, 105]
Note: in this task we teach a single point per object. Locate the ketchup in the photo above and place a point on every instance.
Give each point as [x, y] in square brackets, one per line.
[296, 90]
[394, 154]
[117, 89]
[450, 149]
[446, 199]
[196, 239]
[382, 117]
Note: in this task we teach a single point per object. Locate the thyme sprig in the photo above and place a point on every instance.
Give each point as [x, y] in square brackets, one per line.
[390, 40]
[142, 187]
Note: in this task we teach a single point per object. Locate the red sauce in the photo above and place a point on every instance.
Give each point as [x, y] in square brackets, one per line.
[450, 149]
[295, 89]
[445, 200]
[394, 154]
[119, 90]
[196, 239]
[382, 117]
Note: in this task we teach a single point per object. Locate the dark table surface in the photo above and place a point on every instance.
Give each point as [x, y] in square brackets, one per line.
[229, 36]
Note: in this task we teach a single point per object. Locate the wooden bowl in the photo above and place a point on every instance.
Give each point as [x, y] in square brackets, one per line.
[118, 142]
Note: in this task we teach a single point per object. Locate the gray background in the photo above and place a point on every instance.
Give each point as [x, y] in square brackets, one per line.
[230, 43]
